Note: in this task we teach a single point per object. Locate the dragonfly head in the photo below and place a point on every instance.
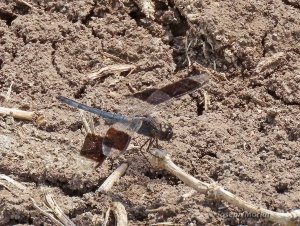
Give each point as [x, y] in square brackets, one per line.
[166, 132]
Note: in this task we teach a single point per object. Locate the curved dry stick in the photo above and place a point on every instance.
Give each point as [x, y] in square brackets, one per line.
[120, 213]
[63, 218]
[50, 216]
[12, 181]
[162, 160]
[35, 205]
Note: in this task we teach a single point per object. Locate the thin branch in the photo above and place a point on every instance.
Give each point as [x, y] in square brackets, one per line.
[24, 188]
[120, 213]
[12, 181]
[161, 159]
[206, 101]
[115, 176]
[8, 94]
[187, 47]
[57, 210]
[6, 187]
[35, 117]
[85, 122]
[115, 68]
[105, 221]
[50, 216]
[25, 3]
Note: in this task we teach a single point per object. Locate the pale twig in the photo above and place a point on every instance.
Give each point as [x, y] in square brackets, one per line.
[85, 122]
[64, 219]
[105, 221]
[187, 46]
[50, 216]
[25, 3]
[206, 101]
[12, 181]
[120, 213]
[162, 160]
[115, 68]
[24, 188]
[132, 89]
[90, 120]
[6, 187]
[16, 113]
[109, 182]
[7, 96]
[36, 117]
[215, 66]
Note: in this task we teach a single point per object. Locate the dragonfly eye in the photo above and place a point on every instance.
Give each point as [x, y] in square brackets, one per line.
[166, 132]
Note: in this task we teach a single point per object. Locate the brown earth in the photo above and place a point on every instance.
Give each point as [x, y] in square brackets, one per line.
[248, 140]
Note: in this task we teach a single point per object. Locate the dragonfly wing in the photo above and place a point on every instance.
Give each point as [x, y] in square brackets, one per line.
[92, 148]
[174, 90]
[118, 136]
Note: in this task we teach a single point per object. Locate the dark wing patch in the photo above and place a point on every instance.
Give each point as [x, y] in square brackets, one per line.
[118, 136]
[174, 90]
[92, 148]
[115, 142]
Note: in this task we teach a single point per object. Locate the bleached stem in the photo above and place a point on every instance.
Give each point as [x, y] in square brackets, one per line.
[115, 176]
[162, 160]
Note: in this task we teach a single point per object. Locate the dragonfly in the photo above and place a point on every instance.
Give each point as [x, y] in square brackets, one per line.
[123, 128]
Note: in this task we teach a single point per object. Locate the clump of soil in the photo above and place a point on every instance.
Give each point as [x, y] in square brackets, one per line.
[247, 140]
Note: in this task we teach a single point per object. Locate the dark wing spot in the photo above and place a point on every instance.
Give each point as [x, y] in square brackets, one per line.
[92, 148]
[115, 139]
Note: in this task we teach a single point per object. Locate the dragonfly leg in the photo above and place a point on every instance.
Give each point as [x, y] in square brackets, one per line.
[156, 142]
[150, 140]
[144, 144]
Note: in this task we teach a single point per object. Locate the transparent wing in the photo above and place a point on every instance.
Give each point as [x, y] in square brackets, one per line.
[173, 90]
[118, 136]
[92, 148]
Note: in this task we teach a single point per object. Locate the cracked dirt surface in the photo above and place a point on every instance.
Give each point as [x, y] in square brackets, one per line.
[247, 140]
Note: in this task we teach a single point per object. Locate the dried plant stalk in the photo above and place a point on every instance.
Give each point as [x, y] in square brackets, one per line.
[109, 182]
[24, 189]
[8, 94]
[162, 160]
[206, 101]
[50, 216]
[25, 3]
[35, 117]
[116, 68]
[85, 122]
[57, 210]
[105, 221]
[120, 213]
[16, 113]
[12, 181]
